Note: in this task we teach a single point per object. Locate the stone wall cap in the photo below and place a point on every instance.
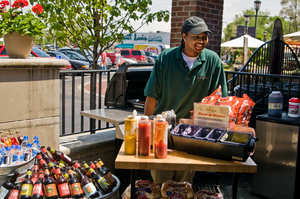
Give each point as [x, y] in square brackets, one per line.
[34, 61]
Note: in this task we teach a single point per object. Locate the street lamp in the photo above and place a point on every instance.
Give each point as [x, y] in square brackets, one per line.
[265, 35]
[257, 4]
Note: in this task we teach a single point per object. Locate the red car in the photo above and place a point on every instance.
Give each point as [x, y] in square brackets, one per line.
[138, 55]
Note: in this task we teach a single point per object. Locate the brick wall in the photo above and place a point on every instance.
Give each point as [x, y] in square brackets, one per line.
[210, 10]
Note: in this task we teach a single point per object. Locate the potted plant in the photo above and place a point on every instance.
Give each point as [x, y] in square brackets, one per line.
[19, 25]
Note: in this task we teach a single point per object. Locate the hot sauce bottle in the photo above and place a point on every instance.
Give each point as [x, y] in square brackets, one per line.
[63, 187]
[105, 172]
[50, 186]
[15, 192]
[27, 186]
[89, 188]
[160, 137]
[75, 187]
[144, 136]
[37, 192]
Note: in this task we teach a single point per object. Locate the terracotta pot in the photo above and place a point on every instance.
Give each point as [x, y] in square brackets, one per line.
[18, 46]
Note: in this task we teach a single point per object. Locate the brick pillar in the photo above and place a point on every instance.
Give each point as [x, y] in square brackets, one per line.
[210, 10]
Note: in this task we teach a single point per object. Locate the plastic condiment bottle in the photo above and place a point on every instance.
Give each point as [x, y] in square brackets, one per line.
[294, 107]
[144, 136]
[275, 104]
[160, 137]
[130, 135]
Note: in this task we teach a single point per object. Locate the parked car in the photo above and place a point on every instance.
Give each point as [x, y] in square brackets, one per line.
[151, 54]
[150, 59]
[67, 50]
[138, 55]
[35, 52]
[76, 64]
[112, 57]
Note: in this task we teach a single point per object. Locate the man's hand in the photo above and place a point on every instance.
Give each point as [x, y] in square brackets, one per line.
[150, 105]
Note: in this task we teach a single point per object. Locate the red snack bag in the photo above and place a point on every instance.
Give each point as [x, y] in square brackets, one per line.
[245, 111]
[213, 97]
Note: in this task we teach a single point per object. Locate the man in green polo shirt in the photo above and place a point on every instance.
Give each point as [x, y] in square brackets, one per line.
[185, 74]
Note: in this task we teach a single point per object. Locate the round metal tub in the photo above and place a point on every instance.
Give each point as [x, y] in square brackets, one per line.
[20, 168]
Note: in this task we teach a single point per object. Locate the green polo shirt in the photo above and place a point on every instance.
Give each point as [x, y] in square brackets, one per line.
[176, 87]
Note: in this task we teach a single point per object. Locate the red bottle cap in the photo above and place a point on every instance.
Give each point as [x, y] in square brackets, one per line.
[295, 100]
[76, 165]
[92, 165]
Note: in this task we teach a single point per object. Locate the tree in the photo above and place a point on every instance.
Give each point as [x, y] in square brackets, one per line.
[265, 23]
[291, 11]
[95, 25]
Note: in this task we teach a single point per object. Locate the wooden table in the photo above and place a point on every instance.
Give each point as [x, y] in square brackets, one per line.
[177, 160]
[114, 116]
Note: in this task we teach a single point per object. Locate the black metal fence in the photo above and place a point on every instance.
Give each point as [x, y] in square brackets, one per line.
[259, 86]
[273, 57]
[76, 97]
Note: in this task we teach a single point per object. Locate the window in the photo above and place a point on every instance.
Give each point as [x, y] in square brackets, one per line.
[39, 52]
[125, 52]
[136, 52]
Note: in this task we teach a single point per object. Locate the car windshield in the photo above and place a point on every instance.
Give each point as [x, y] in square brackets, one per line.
[40, 53]
[136, 52]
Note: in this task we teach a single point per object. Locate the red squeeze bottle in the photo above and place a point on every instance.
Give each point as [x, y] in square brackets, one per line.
[144, 136]
[160, 137]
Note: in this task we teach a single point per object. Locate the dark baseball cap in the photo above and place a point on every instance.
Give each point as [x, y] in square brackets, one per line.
[194, 25]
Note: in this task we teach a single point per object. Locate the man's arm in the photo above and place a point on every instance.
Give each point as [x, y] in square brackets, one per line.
[150, 105]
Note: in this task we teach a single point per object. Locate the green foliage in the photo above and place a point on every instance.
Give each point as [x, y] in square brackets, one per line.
[96, 25]
[264, 24]
[291, 12]
[23, 22]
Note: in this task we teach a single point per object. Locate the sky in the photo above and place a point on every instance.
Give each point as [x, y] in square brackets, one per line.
[231, 8]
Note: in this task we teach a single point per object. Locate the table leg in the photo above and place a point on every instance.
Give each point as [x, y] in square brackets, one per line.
[132, 183]
[235, 181]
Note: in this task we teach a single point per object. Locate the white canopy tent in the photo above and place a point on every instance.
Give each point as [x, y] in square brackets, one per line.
[239, 42]
[293, 36]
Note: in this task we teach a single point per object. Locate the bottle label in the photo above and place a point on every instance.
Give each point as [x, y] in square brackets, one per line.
[76, 189]
[275, 106]
[3, 192]
[37, 190]
[14, 194]
[34, 180]
[103, 183]
[26, 190]
[64, 190]
[51, 190]
[89, 189]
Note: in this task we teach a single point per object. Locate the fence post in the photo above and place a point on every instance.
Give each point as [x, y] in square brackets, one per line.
[277, 52]
[93, 100]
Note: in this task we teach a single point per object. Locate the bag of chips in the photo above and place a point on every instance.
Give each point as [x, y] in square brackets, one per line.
[145, 189]
[172, 190]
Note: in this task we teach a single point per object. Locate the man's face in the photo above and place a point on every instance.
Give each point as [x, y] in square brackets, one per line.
[194, 43]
